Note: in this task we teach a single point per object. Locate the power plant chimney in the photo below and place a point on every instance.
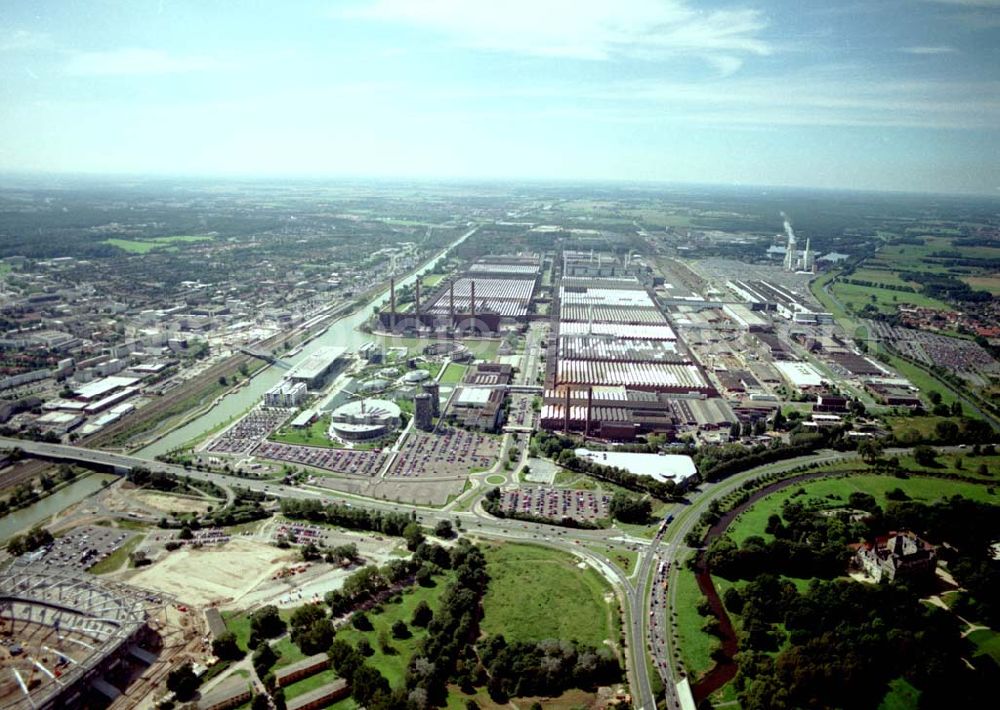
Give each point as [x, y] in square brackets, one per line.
[566, 414]
[392, 303]
[416, 299]
[451, 303]
[590, 409]
[472, 300]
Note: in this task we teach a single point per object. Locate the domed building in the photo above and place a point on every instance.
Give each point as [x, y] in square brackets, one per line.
[414, 376]
[364, 419]
[373, 385]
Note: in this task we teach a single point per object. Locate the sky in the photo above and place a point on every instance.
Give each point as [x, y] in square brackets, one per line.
[899, 95]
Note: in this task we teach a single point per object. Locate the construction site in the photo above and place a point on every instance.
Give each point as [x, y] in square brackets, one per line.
[70, 639]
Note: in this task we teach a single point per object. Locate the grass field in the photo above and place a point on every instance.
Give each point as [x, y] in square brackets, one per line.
[311, 683]
[239, 623]
[432, 280]
[901, 696]
[144, 246]
[313, 435]
[828, 303]
[984, 283]
[625, 559]
[393, 664]
[536, 593]
[835, 492]
[453, 374]
[924, 381]
[116, 559]
[884, 299]
[288, 652]
[695, 645]
[922, 426]
[882, 276]
[987, 642]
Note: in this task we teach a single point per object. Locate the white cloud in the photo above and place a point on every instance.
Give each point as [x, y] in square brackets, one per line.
[941, 49]
[21, 40]
[585, 29]
[137, 62]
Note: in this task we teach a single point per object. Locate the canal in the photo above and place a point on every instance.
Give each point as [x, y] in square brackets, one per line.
[40, 512]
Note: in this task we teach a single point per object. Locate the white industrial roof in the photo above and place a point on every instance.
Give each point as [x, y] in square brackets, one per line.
[316, 363]
[473, 396]
[800, 374]
[661, 467]
[101, 387]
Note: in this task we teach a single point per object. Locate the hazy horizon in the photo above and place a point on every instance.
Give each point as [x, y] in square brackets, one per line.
[901, 96]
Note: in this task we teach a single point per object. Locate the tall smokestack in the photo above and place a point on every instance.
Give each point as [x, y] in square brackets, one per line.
[590, 409]
[472, 299]
[451, 303]
[416, 298]
[566, 414]
[392, 303]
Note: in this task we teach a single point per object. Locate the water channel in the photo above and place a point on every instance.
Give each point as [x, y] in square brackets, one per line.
[23, 520]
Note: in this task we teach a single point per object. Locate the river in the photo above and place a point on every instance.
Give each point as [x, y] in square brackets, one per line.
[343, 332]
[36, 513]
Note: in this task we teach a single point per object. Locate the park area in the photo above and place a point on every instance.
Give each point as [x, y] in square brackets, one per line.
[834, 492]
[536, 593]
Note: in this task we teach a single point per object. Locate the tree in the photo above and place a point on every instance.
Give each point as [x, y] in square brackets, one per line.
[265, 623]
[260, 702]
[422, 614]
[870, 450]
[925, 456]
[365, 648]
[413, 536]
[185, 533]
[182, 681]
[226, 648]
[934, 396]
[310, 552]
[263, 658]
[361, 622]
[400, 630]
[630, 509]
[779, 420]
[366, 682]
[444, 530]
[947, 431]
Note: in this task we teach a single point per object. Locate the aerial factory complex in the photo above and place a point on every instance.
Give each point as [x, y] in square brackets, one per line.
[597, 450]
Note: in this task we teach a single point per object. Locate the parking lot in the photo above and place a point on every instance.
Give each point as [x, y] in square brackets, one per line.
[361, 463]
[83, 547]
[449, 452]
[248, 431]
[556, 503]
